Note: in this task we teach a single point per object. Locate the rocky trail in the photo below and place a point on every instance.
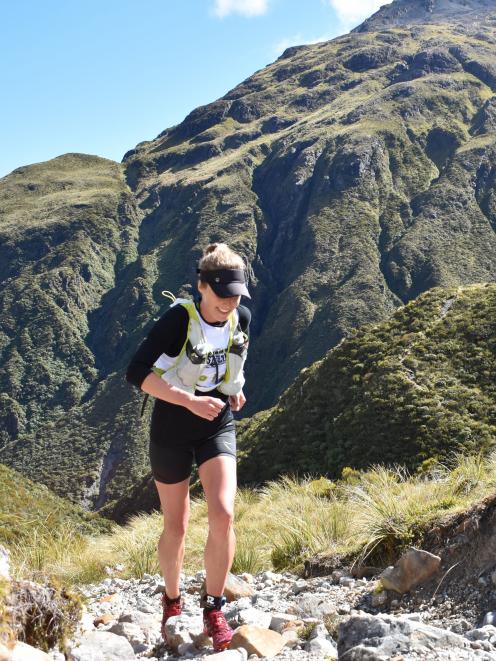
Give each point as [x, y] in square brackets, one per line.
[279, 615]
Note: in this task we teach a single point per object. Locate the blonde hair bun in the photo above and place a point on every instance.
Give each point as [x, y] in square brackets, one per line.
[219, 256]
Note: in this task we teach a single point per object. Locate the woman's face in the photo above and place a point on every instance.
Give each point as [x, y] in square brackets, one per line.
[213, 307]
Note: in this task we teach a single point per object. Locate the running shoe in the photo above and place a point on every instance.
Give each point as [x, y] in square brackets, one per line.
[217, 628]
[171, 608]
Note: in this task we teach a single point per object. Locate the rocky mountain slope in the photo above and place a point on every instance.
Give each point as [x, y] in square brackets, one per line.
[352, 174]
[410, 12]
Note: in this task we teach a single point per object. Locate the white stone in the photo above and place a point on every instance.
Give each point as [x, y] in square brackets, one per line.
[322, 646]
[254, 616]
[299, 586]
[489, 618]
[249, 578]
[56, 656]
[86, 621]
[279, 620]
[227, 655]
[185, 629]
[133, 633]
[102, 646]
[291, 638]
[24, 652]
[271, 576]
[319, 631]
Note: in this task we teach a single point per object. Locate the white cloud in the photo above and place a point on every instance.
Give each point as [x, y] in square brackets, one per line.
[223, 8]
[351, 12]
[297, 40]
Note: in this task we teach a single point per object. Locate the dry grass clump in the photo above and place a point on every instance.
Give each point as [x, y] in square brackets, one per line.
[42, 615]
[370, 515]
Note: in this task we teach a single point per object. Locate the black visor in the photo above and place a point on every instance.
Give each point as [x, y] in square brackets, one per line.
[226, 282]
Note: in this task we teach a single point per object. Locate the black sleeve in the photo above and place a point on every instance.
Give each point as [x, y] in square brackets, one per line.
[167, 335]
[244, 318]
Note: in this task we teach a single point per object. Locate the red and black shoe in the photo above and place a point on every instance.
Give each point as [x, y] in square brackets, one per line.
[171, 608]
[217, 628]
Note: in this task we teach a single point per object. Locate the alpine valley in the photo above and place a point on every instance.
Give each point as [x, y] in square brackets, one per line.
[358, 179]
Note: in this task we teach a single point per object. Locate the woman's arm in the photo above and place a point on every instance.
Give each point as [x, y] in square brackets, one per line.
[205, 407]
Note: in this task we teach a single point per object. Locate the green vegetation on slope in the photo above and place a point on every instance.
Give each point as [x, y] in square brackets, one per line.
[38, 527]
[68, 235]
[417, 387]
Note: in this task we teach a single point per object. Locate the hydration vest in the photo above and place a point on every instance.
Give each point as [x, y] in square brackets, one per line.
[187, 370]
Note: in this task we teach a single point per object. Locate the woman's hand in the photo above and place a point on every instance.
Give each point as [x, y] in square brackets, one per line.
[237, 401]
[206, 407]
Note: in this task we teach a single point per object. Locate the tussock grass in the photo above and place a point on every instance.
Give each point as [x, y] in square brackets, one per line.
[368, 516]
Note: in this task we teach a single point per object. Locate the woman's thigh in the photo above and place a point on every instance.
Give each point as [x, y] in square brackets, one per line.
[218, 478]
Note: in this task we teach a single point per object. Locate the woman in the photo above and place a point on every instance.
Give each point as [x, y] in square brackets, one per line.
[191, 362]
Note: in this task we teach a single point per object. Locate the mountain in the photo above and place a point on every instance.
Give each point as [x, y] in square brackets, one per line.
[353, 175]
[415, 388]
[409, 12]
[68, 233]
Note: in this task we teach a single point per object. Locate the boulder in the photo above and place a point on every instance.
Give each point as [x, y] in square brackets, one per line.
[148, 623]
[226, 655]
[102, 646]
[132, 633]
[185, 629]
[322, 646]
[255, 616]
[414, 567]
[23, 652]
[255, 640]
[280, 620]
[291, 638]
[369, 637]
[236, 588]
[312, 605]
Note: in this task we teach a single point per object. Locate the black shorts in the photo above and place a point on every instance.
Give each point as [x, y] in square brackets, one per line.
[179, 437]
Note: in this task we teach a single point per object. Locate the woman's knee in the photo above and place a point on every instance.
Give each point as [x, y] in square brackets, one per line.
[221, 518]
[176, 526]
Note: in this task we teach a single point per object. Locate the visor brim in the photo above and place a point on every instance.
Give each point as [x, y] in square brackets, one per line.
[226, 290]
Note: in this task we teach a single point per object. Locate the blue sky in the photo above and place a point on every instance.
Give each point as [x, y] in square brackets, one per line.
[99, 76]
